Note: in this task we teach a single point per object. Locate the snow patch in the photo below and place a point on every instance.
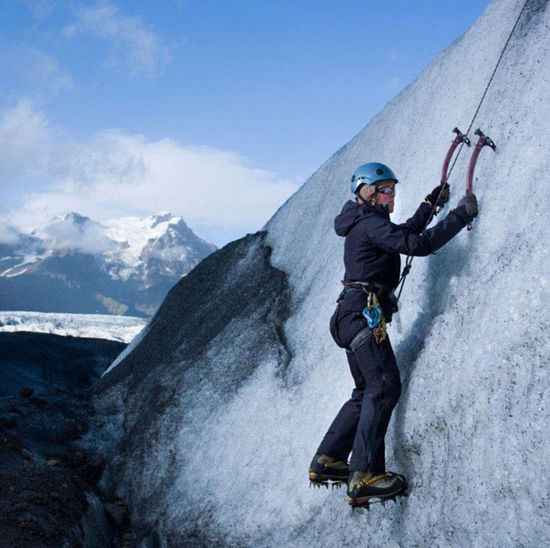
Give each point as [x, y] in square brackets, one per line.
[136, 232]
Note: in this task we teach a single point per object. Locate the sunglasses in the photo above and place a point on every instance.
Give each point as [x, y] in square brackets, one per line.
[386, 190]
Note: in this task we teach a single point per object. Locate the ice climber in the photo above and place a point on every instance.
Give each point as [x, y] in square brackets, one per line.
[372, 249]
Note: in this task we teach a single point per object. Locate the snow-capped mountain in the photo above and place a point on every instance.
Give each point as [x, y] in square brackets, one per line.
[74, 232]
[219, 404]
[160, 246]
[75, 264]
[18, 251]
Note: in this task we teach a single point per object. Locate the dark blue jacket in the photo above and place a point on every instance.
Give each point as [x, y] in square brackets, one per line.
[373, 243]
[371, 254]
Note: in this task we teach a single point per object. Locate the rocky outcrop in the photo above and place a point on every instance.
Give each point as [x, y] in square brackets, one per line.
[215, 329]
[49, 495]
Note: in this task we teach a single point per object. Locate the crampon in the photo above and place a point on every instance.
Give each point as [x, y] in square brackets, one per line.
[327, 471]
[365, 502]
[316, 482]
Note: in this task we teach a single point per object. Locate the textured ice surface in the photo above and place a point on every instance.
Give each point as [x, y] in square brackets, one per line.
[472, 428]
[216, 328]
[96, 326]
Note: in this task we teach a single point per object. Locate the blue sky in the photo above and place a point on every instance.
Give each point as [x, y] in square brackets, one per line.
[260, 93]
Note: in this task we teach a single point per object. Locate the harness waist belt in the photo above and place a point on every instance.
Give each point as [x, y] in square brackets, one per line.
[375, 287]
[387, 297]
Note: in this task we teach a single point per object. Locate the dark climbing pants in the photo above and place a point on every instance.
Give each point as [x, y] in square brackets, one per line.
[361, 424]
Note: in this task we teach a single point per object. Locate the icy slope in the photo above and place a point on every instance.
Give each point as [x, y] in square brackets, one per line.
[472, 428]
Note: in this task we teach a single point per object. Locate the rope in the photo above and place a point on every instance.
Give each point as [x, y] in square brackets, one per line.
[490, 82]
[410, 258]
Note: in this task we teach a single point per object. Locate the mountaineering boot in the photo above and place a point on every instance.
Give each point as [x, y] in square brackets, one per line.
[324, 470]
[364, 486]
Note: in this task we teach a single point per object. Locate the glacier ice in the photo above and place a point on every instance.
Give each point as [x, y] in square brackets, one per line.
[95, 326]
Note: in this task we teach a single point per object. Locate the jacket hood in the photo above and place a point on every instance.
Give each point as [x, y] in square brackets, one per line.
[351, 214]
[344, 221]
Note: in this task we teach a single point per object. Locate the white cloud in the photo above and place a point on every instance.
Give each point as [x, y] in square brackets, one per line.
[25, 142]
[8, 234]
[219, 193]
[132, 40]
[86, 236]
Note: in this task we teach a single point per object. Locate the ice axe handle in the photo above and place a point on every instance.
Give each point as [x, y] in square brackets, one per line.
[460, 138]
[483, 141]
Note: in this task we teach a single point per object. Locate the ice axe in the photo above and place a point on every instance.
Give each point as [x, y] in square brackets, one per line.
[483, 141]
[459, 139]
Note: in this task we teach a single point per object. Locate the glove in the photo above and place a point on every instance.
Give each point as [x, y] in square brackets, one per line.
[467, 207]
[443, 197]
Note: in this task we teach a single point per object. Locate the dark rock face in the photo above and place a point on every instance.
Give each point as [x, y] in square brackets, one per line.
[48, 494]
[235, 298]
[41, 502]
[40, 361]
[235, 282]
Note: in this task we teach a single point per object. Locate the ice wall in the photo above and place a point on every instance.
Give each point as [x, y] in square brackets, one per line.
[471, 430]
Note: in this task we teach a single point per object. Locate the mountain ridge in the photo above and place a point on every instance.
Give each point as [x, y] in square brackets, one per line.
[74, 264]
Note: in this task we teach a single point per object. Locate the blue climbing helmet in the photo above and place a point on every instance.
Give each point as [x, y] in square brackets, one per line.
[370, 174]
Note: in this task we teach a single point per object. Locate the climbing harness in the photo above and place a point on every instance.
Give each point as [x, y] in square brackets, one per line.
[462, 139]
[373, 312]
